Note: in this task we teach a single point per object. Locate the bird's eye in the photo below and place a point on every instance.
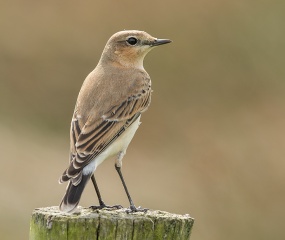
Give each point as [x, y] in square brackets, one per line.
[132, 41]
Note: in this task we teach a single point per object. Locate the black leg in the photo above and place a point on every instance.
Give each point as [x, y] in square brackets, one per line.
[133, 208]
[97, 190]
[102, 204]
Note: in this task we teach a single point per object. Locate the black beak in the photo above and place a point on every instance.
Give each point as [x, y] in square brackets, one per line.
[158, 42]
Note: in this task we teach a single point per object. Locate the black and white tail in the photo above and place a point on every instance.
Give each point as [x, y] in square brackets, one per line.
[73, 194]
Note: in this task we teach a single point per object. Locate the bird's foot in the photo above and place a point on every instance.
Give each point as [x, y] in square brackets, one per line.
[133, 209]
[104, 206]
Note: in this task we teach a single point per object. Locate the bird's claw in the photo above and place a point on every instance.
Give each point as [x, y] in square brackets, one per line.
[107, 207]
[133, 209]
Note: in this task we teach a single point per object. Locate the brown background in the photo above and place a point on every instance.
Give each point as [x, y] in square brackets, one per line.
[212, 142]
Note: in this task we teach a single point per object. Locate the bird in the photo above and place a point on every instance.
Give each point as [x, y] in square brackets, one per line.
[107, 114]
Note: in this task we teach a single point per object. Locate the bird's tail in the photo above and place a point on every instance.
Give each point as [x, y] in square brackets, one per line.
[73, 194]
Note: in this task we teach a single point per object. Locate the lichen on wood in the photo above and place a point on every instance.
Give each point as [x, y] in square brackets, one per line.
[51, 224]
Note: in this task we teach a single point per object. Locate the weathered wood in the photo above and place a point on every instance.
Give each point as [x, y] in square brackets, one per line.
[51, 224]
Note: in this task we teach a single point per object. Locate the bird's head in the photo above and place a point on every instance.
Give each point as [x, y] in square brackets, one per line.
[128, 48]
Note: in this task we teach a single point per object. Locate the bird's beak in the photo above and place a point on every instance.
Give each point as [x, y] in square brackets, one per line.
[158, 42]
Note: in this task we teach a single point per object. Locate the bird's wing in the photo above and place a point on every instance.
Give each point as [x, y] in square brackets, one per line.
[98, 133]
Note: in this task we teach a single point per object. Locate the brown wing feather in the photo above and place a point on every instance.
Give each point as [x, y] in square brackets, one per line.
[97, 134]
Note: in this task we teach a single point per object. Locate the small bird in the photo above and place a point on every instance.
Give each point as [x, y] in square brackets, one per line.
[107, 114]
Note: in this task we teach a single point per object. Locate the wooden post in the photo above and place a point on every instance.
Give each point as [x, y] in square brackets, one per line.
[51, 224]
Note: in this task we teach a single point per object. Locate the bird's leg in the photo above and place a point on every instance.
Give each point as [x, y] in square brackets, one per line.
[132, 208]
[97, 190]
[101, 203]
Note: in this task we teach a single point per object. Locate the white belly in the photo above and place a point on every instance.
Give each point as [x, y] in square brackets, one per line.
[118, 146]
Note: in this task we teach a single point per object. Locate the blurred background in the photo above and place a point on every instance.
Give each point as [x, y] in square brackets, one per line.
[212, 144]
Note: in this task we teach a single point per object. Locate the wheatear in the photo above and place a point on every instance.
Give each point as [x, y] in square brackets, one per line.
[107, 113]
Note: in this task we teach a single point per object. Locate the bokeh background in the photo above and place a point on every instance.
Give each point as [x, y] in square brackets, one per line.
[212, 144]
